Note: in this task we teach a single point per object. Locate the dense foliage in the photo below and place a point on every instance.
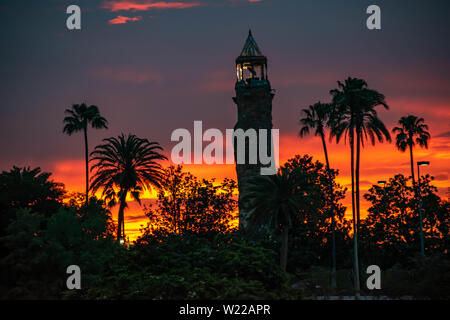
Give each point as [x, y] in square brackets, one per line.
[189, 251]
[191, 267]
[390, 233]
[38, 249]
[187, 205]
[311, 229]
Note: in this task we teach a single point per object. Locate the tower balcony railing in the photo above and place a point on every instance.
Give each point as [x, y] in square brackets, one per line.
[250, 83]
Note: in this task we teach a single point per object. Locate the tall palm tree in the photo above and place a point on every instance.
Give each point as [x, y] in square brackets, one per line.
[355, 116]
[274, 200]
[412, 131]
[126, 164]
[316, 118]
[78, 119]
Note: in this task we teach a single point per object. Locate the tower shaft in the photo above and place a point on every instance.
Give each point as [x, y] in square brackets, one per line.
[254, 105]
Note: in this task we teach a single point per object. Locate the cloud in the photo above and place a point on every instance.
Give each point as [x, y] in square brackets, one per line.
[70, 172]
[418, 106]
[144, 5]
[243, 1]
[443, 135]
[217, 81]
[126, 75]
[139, 218]
[362, 183]
[122, 20]
[319, 78]
[441, 177]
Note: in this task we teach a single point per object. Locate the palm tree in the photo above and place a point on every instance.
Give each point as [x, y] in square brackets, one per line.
[128, 165]
[355, 116]
[274, 200]
[78, 119]
[412, 131]
[316, 118]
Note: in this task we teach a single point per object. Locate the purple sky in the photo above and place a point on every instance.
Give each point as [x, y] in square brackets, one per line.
[175, 65]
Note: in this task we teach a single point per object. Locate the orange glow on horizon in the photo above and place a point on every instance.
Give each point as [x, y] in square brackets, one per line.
[379, 162]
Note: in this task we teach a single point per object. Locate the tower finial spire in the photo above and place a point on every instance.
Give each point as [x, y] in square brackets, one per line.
[250, 46]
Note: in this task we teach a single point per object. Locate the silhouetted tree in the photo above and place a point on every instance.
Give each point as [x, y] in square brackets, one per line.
[28, 188]
[412, 131]
[316, 118]
[39, 247]
[391, 228]
[312, 225]
[128, 164]
[355, 116]
[186, 204]
[273, 201]
[78, 119]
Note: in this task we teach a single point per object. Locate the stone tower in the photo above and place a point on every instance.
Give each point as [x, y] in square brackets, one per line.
[254, 103]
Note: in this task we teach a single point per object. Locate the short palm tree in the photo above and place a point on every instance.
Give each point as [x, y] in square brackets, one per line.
[316, 118]
[355, 117]
[78, 119]
[274, 200]
[412, 131]
[126, 164]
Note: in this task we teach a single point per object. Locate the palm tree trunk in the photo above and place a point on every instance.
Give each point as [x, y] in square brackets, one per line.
[357, 198]
[284, 247]
[355, 230]
[120, 217]
[412, 165]
[357, 195]
[333, 233]
[86, 155]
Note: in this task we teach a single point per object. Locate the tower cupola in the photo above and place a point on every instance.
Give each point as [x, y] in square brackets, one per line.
[251, 65]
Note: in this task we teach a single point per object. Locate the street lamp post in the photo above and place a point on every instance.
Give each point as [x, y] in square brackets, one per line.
[383, 182]
[422, 244]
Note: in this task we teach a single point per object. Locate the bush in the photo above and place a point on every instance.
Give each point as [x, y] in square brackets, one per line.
[193, 268]
[39, 249]
[422, 277]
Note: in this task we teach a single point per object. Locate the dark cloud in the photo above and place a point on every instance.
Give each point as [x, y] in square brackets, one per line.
[443, 135]
[441, 177]
[145, 5]
[136, 218]
[362, 183]
[123, 19]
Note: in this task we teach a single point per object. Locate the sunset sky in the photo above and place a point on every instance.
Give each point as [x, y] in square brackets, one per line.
[155, 66]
